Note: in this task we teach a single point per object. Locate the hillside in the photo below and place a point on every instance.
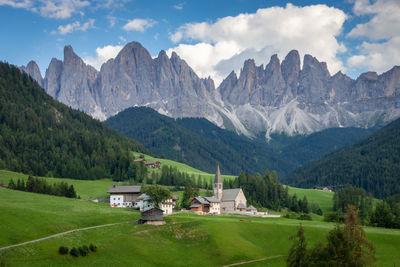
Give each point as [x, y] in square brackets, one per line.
[373, 164]
[183, 241]
[41, 136]
[199, 143]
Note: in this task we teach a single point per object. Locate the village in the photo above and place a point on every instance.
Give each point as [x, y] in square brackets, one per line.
[228, 201]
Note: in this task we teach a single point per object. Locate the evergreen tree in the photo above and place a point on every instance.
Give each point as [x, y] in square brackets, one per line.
[298, 252]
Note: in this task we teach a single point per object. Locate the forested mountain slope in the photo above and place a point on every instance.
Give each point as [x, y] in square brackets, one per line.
[373, 164]
[41, 136]
[201, 144]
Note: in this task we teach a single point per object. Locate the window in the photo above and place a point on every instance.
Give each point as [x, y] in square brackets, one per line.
[219, 186]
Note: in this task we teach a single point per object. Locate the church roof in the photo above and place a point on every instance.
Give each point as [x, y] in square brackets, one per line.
[212, 199]
[218, 179]
[230, 194]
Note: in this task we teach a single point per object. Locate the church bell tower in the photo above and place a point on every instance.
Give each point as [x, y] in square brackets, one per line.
[218, 187]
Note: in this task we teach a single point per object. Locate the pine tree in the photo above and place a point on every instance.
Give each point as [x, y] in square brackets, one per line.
[298, 252]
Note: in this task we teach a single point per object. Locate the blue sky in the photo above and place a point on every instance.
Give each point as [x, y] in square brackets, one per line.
[214, 37]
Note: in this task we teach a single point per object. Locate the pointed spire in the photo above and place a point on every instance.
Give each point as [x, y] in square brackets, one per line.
[218, 179]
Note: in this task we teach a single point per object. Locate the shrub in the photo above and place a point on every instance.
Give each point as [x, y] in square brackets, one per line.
[74, 252]
[83, 251]
[63, 250]
[305, 217]
[333, 217]
[92, 248]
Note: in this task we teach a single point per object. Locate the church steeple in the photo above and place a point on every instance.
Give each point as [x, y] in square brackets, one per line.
[218, 186]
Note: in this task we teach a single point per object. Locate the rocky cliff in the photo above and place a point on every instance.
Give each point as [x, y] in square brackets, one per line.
[282, 97]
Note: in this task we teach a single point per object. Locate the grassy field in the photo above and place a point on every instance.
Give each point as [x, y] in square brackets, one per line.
[323, 198]
[190, 240]
[182, 167]
[84, 188]
[26, 216]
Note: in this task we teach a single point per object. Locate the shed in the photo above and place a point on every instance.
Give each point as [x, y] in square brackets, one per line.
[152, 216]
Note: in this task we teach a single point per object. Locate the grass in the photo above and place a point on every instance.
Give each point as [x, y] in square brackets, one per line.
[27, 216]
[182, 167]
[323, 198]
[84, 188]
[190, 240]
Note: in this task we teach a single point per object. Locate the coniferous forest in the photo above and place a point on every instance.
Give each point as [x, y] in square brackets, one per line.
[372, 164]
[43, 137]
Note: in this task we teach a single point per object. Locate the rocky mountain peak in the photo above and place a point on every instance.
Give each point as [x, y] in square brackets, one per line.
[33, 70]
[291, 69]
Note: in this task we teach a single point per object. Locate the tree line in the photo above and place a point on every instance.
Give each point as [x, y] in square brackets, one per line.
[385, 214]
[41, 186]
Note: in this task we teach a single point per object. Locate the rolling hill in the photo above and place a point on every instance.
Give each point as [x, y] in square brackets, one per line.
[41, 136]
[373, 164]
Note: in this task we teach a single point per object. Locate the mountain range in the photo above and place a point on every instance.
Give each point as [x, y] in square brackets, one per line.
[280, 98]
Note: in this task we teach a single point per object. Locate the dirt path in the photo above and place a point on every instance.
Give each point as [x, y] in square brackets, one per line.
[245, 262]
[60, 234]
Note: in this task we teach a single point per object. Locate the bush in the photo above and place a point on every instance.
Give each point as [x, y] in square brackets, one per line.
[84, 250]
[333, 217]
[305, 217]
[92, 248]
[74, 252]
[63, 250]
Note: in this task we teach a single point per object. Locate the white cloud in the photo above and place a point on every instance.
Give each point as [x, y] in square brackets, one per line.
[76, 26]
[179, 6]
[16, 3]
[384, 23]
[309, 29]
[139, 25]
[378, 57]
[58, 9]
[381, 52]
[103, 54]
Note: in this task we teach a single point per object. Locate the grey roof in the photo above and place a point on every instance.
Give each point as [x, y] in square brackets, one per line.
[251, 207]
[241, 206]
[195, 206]
[218, 178]
[230, 194]
[174, 197]
[143, 197]
[125, 189]
[201, 200]
[212, 199]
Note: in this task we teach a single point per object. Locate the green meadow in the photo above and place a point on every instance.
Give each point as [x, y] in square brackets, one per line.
[186, 239]
[323, 198]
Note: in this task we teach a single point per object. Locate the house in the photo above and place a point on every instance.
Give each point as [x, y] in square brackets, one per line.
[124, 196]
[205, 205]
[152, 216]
[144, 203]
[232, 200]
[140, 160]
[154, 164]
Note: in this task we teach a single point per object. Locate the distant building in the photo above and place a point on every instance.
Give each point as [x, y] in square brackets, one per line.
[152, 216]
[231, 199]
[323, 188]
[153, 164]
[124, 196]
[144, 203]
[205, 205]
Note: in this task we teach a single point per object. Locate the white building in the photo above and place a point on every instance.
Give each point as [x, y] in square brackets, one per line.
[124, 196]
[143, 203]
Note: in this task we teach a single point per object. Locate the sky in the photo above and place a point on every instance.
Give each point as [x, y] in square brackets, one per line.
[214, 37]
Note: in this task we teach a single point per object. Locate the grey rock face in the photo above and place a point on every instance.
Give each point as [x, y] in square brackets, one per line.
[280, 98]
[33, 70]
